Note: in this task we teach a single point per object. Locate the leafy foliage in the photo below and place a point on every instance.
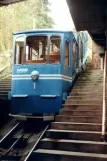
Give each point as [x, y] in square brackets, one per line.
[26, 15]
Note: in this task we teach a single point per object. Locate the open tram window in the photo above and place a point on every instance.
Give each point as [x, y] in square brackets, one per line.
[66, 54]
[19, 51]
[55, 49]
[36, 49]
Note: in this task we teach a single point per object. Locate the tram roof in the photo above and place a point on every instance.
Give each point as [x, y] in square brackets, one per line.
[42, 31]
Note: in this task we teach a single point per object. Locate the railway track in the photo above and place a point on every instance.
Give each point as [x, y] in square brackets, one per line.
[19, 143]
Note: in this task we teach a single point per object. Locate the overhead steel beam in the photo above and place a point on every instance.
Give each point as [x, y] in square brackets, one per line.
[89, 15]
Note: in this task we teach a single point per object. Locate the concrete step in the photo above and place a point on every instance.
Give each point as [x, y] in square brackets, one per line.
[81, 119]
[4, 92]
[76, 135]
[84, 98]
[76, 126]
[92, 75]
[80, 112]
[90, 80]
[99, 76]
[86, 93]
[88, 88]
[93, 80]
[5, 89]
[74, 145]
[5, 82]
[58, 155]
[88, 84]
[84, 102]
[81, 107]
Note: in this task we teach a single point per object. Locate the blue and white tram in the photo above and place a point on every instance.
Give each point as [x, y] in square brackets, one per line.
[45, 63]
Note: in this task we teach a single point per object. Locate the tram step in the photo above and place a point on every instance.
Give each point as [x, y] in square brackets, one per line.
[76, 135]
[58, 155]
[76, 126]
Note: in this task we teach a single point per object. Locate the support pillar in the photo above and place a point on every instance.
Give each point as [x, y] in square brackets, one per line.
[104, 99]
[104, 89]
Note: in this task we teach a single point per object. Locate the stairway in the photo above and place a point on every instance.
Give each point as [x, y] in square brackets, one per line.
[5, 87]
[76, 133]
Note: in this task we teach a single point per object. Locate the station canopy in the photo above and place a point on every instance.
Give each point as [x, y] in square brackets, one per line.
[90, 15]
[7, 2]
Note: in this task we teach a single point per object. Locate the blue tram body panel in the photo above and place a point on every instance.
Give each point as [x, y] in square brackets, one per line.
[37, 96]
[45, 64]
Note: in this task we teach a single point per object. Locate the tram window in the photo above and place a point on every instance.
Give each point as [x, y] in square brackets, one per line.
[19, 51]
[36, 49]
[66, 54]
[55, 49]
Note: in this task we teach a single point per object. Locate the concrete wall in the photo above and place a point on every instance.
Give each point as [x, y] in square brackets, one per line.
[96, 59]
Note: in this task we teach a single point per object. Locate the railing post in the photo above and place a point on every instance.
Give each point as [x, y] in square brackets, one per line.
[104, 99]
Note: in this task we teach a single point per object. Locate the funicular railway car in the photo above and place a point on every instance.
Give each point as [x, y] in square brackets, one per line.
[45, 63]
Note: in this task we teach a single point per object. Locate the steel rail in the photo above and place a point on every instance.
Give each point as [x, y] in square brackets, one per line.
[29, 154]
[5, 153]
[10, 132]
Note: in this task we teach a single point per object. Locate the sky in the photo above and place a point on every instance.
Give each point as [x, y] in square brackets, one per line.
[61, 15]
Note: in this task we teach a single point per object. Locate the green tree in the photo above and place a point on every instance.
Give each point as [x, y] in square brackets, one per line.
[23, 16]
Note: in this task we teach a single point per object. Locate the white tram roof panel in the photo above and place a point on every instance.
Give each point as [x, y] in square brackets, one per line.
[42, 30]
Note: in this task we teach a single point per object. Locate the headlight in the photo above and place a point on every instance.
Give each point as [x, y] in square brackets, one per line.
[34, 75]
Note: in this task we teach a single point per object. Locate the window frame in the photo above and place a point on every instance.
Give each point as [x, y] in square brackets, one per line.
[66, 67]
[60, 48]
[14, 50]
[39, 35]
